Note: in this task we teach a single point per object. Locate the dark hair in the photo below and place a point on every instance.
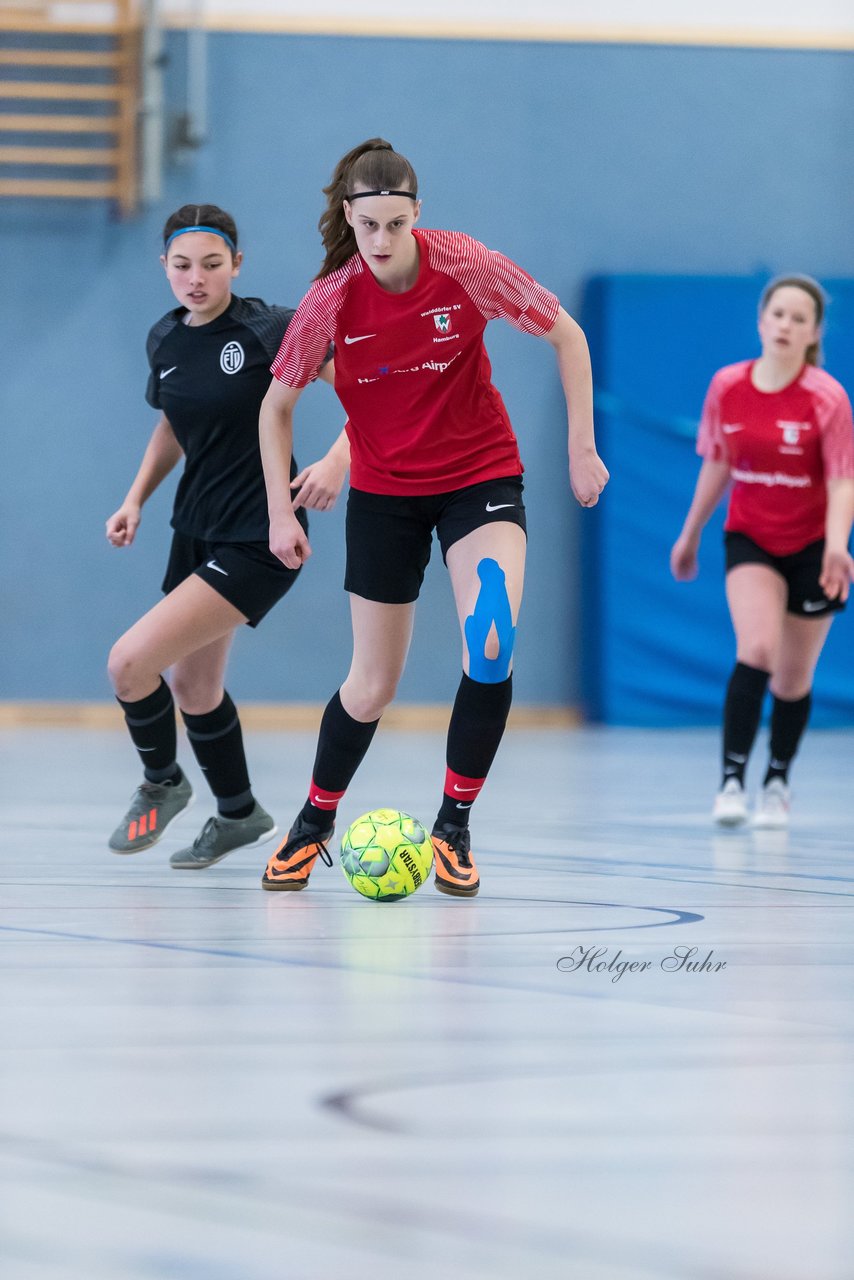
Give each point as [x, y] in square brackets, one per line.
[809, 286]
[201, 215]
[373, 164]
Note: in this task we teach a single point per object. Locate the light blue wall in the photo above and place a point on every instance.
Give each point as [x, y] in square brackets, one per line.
[574, 160]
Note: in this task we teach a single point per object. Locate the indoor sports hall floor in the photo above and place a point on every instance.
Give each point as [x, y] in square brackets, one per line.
[202, 1081]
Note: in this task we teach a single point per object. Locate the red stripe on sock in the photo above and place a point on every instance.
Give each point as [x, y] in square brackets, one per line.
[323, 799]
[461, 787]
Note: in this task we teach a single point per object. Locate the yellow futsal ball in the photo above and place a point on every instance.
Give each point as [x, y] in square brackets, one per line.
[386, 855]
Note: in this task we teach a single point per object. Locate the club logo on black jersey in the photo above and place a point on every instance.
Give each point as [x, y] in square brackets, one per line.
[231, 357]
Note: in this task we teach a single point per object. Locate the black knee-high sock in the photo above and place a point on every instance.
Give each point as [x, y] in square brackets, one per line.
[217, 742]
[742, 713]
[151, 725]
[477, 726]
[341, 747]
[788, 722]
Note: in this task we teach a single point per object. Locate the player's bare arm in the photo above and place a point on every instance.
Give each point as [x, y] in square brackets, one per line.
[288, 540]
[161, 456]
[837, 565]
[711, 485]
[588, 473]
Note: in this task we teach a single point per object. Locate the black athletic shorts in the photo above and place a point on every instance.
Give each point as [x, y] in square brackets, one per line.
[389, 538]
[801, 571]
[246, 574]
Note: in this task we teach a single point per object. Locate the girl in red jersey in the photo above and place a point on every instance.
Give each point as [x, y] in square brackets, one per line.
[209, 364]
[431, 448]
[780, 430]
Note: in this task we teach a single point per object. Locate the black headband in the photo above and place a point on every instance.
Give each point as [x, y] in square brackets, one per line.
[358, 194]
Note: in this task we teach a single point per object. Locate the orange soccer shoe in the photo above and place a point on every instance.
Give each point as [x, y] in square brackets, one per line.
[456, 872]
[291, 864]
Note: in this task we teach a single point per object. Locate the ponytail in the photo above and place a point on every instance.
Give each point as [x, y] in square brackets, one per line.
[372, 164]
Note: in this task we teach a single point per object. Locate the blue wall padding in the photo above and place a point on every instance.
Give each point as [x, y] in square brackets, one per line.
[657, 652]
[577, 160]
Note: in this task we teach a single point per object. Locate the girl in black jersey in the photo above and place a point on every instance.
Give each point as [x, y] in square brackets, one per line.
[209, 370]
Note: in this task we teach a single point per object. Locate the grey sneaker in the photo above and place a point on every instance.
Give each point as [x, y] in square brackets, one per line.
[220, 836]
[152, 808]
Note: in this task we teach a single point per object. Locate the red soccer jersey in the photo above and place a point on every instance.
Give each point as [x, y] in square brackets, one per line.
[782, 447]
[411, 369]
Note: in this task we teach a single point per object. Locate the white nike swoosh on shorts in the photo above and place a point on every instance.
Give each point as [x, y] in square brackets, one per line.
[212, 564]
[499, 506]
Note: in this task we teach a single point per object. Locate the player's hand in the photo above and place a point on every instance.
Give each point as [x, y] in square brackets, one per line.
[123, 524]
[318, 485]
[588, 476]
[837, 569]
[288, 541]
[684, 564]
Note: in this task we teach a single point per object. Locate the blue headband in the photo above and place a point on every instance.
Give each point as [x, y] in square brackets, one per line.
[182, 231]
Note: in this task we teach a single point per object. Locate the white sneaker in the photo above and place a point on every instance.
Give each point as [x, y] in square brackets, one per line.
[772, 806]
[730, 808]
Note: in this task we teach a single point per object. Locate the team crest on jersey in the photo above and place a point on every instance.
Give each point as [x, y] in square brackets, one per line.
[442, 322]
[231, 357]
[792, 430]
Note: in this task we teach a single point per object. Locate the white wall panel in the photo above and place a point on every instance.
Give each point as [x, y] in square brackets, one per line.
[738, 20]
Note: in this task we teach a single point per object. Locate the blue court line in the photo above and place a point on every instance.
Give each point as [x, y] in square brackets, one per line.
[687, 866]
[678, 917]
[484, 1226]
[727, 884]
[222, 952]
[582, 860]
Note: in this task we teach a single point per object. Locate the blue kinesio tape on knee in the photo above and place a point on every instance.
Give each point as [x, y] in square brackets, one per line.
[492, 606]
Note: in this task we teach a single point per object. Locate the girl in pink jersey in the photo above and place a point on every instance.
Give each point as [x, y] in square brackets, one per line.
[431, 448]
[779, 429]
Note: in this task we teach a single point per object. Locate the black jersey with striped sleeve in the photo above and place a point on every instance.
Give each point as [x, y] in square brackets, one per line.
[209, 381]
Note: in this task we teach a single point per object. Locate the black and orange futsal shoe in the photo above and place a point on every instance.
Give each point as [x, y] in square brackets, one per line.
[153, 807]
[456, 872]
[291, 864]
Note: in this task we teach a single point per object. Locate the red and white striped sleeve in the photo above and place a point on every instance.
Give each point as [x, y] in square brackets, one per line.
[711, 442]
[497, 286]
[306, 342]
[710, 438]
[833, 411]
